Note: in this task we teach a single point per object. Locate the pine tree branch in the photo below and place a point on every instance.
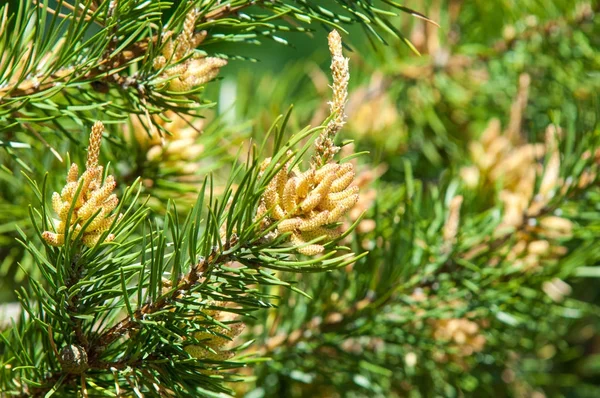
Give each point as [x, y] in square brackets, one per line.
[130, 323]
[573, 22]
[188, 283]
[493, 244]
[227, 10]
[107, 68]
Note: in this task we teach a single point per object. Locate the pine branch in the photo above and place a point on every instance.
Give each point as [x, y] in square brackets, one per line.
[190, 281]
[458, 63]
[108, 70]
[170, 313]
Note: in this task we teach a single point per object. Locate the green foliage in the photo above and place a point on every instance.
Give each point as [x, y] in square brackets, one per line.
[429, 292]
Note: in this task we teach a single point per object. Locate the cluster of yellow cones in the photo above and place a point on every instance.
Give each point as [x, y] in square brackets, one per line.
[87, 199]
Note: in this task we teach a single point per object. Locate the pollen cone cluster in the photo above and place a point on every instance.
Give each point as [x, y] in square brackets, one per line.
[307, 203]
[215, 340]
[176, 152]
[538, 233]
[89, 199]
[502, 158]
[462, 335]
[458, 337]
[193, 71]
[524, 202]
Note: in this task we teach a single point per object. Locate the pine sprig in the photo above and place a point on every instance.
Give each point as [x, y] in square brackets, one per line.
[137, 301]
[125, 36]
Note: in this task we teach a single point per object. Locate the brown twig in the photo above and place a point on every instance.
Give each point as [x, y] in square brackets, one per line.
[33, 86]
[225, 11]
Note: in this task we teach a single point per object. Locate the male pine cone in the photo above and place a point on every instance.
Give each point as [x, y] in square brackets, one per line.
[183, 69]
[305, 203]
[89, 200]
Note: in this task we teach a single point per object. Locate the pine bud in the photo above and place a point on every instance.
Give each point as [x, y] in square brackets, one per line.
[324, 146]
[73, 359]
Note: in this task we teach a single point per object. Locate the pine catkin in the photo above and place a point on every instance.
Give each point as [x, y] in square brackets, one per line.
[309, 204]
[502, 158]
[94, 199]
[183, 69]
